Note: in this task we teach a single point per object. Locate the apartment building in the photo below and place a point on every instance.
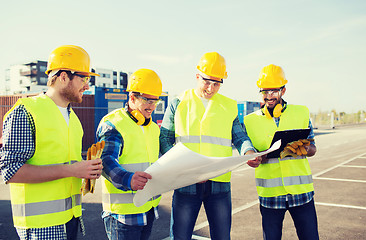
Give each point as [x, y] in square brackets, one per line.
[31, 78]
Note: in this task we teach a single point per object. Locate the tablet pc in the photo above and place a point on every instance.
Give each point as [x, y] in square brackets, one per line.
[287, 136]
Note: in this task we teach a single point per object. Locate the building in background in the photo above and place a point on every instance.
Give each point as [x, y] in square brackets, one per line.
[109, 78]
[25, 78]
[31, 78]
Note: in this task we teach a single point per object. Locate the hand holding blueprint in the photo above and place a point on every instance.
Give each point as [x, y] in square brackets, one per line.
[180, 167]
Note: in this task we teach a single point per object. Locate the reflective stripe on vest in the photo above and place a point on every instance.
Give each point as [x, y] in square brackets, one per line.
[39, 205]
[133, 167]
[47, 207]
[206, 131]
[115, 198]
[204, 139]
[140, 150]
[287, 181]
[289, 175]
[277, 160]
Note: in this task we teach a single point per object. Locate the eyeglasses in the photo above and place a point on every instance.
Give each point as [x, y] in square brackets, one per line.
[84, 78]
[271, 91]
[211, 80]
[150, 101]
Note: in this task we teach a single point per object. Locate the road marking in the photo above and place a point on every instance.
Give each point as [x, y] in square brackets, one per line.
[193, 237]
[338, 165]
[340, 179]
[246, 206]
[200, 238]
[340, 205]
[353, 166]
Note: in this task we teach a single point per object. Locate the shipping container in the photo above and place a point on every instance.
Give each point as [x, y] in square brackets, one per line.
[245, 108]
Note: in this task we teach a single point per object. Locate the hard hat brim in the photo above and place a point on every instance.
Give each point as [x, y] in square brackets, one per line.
[86, 73]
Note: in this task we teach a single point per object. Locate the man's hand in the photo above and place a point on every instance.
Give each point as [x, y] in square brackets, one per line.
[139, 180]
[255, 162]
[91, 169]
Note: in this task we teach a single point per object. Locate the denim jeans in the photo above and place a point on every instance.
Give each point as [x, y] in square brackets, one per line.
[185, 209]
[304, 218]
[118, 231]
[72, 227]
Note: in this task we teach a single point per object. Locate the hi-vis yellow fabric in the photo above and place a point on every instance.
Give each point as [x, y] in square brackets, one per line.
[39, 205]
[206, 131]
[140, 150]
[284, 176]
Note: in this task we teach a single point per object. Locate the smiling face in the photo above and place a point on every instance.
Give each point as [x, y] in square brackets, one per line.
[207, 86]
[73, 91]
[144, 103]
[271, 97]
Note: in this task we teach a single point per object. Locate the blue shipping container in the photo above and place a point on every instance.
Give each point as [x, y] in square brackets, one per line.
[245, 108]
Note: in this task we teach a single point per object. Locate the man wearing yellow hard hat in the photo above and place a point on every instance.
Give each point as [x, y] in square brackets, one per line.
[131, 145]
[41, 154]
[284, 183]
[207, 123]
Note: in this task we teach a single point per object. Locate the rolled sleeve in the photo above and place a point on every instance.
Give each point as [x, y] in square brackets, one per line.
[240, 138]
[311, 134]
[167, 130]
[18, 142]
[112, 170]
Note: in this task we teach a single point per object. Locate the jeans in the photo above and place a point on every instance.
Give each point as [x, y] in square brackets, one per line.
[72, 227]
[185, 209]
[304, 218]
[118, 231]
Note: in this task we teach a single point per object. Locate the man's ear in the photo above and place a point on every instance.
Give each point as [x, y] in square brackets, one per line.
[132, 98]
[63, 77]
[283, 91]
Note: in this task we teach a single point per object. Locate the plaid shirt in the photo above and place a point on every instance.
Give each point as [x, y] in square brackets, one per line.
[279, 202]
[167, 140]
[18, 147]
[115, 173]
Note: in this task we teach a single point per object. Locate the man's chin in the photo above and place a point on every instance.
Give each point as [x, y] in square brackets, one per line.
[271, 105]
[147, 116]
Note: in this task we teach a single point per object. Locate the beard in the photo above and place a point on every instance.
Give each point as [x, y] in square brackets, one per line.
[276, 101]
[71, 94]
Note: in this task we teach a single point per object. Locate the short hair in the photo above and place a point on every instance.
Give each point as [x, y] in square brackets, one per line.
[52, 80]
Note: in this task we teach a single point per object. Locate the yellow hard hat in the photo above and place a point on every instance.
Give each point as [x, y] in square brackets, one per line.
[213, 64]
[145, 81]
[271, 76]
[70, 57]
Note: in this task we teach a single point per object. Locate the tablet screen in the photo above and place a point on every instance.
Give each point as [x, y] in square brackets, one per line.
[287, 136]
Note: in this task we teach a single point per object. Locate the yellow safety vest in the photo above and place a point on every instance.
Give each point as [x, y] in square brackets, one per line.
[277, 176]
[206, 131]
[140, 150]
[39, 205]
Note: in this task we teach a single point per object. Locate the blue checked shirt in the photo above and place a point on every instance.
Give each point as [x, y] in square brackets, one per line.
[115, 173]
[18, 147]
[167, 140]
[279, 202]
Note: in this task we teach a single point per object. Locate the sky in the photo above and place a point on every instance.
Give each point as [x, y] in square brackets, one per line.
[320, 44]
